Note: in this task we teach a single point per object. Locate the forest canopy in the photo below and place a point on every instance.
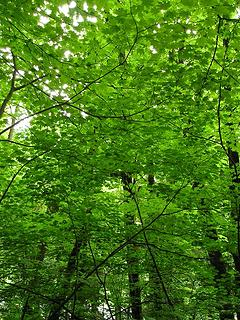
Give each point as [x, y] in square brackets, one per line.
[119, 144]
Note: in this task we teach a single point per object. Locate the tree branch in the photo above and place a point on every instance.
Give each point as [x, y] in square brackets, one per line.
[12, 88]
[17, 173]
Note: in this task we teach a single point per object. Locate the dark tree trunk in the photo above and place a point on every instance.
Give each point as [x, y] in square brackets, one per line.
[154, 280]
[132, 259]
[28, 307]
[235, 213]
[56, 310]
[221, 276]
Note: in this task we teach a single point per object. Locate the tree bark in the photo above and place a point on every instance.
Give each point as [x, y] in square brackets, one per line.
[233, 157]
[221, 278]
[155, 283]
[28, 307]
[56, 311]
[132, 260]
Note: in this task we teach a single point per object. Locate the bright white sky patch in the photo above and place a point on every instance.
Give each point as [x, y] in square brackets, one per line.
[67, 54]
[20, 74]
[190, 31]
[92, 19]
[63, 26]
[23, 125]
[153, 50]
[85, 6]
[72, 4]
[64, 9]
[54, 93]
[7, 49]
[84, 115]
[237, 15]
[77, 19]
[43, 20]
[66, 114]
[48, 11]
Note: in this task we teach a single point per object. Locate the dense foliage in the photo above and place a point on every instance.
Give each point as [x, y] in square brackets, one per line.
[119, 159]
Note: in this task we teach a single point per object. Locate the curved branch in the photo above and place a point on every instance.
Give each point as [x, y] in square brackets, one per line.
[214, 51]
[17, 173]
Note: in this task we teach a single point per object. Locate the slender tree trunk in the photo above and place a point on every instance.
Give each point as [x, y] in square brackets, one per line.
[154, 280]
[28, 307]
[132, 260]
[11, 131]
[56, 312]
[235, 213]
[221, 278]
[118, 313]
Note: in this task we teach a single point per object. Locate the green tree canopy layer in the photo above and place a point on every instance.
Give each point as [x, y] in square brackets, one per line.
[119, 141]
